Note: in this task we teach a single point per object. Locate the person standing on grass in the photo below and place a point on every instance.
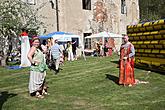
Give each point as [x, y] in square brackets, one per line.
[126, 63]
[55, 52]
[111, 46]
[70, 51]
[38, 68]
[74, 47]
[106, 46]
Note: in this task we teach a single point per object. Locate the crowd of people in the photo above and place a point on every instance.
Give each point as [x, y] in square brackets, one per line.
[104, 49]
[49, 54]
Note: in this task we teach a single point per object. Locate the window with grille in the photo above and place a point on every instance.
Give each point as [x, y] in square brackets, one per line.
[86, 4]
[123, 7]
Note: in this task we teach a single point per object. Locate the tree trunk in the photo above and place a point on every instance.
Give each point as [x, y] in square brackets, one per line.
[3, 61]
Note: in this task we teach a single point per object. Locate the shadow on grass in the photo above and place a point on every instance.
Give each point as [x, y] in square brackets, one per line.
[153, 69]
[113, 78]
[115, 61]
[4, 96]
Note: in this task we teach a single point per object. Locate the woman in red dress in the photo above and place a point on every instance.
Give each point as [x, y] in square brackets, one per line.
[127, 53]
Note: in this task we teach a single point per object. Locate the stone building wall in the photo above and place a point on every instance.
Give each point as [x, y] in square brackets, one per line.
[47, 15]
[73, 18]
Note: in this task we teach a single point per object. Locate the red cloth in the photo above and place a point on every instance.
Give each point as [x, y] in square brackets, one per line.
[126, 75]
[24, 34]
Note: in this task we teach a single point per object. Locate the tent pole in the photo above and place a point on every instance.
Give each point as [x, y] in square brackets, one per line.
[82, 46]
[103, 44]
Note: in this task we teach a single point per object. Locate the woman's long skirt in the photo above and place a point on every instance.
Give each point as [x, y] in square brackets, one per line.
[36, 81]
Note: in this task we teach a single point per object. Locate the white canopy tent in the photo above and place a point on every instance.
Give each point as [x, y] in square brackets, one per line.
[65, 38]
[104, 35]
[61, 36]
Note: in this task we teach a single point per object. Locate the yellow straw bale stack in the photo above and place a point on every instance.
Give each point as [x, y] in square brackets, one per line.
[149, 41]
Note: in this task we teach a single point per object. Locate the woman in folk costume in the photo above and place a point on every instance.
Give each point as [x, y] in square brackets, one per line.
[127, 53]
[37, 70]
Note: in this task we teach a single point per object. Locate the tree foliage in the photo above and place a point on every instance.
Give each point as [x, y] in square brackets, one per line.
[15, 15]
[151, 10]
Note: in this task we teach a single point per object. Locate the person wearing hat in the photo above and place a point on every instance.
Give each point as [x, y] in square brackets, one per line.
[126, 63]
[55, 52]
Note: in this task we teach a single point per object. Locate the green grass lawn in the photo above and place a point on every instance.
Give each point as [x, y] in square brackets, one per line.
[83, 85]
